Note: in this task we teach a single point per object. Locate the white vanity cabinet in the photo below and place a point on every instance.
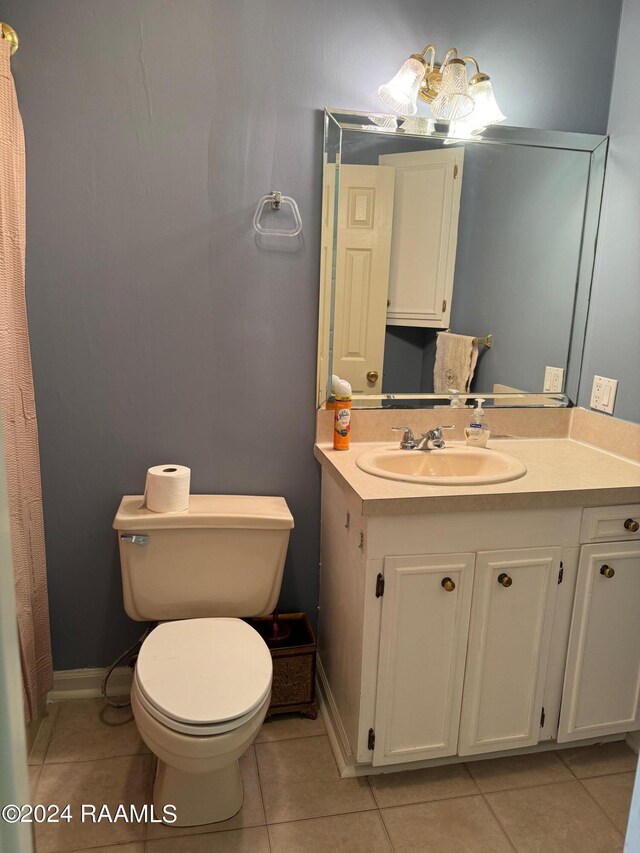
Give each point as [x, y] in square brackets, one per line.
[468, 633]
[602, 682]
[423, 646]
[424, 651]
[509, 640]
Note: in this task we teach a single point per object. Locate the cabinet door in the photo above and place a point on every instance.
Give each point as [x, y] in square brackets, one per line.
[425, 236]
[602, 678]
[423, 641]
[509, 639]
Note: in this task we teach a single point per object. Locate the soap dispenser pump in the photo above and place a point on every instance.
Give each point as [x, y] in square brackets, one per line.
[477, 433]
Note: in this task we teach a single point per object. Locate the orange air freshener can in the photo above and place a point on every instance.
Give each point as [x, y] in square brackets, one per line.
[342, 423]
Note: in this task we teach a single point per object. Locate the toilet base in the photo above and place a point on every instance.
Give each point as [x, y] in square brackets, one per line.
[198, 798]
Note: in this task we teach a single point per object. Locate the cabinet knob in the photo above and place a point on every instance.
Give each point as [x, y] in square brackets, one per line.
[504, 579]
[447, 584]
[372, 376]
[631, 525]
[607, 571]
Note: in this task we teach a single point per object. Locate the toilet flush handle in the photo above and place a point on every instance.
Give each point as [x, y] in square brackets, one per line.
[135, 538]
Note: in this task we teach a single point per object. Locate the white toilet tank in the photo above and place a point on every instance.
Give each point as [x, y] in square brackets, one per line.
[223, 557]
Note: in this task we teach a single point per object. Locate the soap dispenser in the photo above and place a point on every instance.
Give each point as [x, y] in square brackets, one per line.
[477, 433]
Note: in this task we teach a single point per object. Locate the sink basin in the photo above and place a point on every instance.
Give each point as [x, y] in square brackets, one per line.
[451, 466]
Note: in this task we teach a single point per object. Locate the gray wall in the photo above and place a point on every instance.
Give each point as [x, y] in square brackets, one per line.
[612, 345]
[160, 330]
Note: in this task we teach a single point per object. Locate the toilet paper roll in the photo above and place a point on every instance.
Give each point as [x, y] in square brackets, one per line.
[167, 488]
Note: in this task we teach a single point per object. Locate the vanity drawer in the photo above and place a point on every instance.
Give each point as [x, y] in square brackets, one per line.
[610, 523]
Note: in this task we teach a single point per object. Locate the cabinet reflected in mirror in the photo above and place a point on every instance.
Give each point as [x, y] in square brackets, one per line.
[424, 234]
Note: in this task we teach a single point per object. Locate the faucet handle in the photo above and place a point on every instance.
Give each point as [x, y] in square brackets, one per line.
[438, 429]
[434, 436]
[408, 439]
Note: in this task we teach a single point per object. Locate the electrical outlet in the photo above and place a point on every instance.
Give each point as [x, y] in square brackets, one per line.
[603, 394]
[553, 380]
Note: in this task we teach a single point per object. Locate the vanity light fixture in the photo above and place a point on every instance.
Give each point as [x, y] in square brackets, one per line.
[446, 88]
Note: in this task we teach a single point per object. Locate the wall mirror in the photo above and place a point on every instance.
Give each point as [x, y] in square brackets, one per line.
[425, 231]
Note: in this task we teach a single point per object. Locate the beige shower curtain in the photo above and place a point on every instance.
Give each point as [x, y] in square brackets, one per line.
[18, 407]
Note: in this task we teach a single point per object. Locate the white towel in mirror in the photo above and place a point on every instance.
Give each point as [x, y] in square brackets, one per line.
[456, 357]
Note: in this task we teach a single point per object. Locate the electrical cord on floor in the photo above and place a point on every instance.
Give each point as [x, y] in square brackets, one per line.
[129, 652]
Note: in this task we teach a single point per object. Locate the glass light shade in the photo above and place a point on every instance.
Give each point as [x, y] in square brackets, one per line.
[454, 78]
[385, 122]
[418, 125]
[486, 110]
[464, 128]
[401, 92]
[451, 107]
[453, 101]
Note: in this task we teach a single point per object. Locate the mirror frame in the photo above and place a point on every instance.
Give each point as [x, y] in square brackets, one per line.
[336, 121]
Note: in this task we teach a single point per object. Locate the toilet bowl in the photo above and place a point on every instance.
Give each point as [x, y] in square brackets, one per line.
[202, 682]
[200, 693]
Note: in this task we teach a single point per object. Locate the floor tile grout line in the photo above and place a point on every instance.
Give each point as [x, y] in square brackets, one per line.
[418, 802]
[338, 814]
[600, 808]
[289, 737]
[149, 798]
[432, 800]
[319, 816]
[595, 775]
[386, 830]
[604, 775]
[559, 752]
[258, 774]
[528, 787]
[145, 754]
[499, 822]
[477, 793]
[264, 808]
[285, 739]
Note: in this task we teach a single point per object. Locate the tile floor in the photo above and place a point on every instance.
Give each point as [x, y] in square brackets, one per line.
[295, 802]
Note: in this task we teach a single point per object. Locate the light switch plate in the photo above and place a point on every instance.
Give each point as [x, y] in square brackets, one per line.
[603, 394]
[553, 379]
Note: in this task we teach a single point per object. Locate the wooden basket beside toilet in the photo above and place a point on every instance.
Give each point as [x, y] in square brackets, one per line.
[294, 663]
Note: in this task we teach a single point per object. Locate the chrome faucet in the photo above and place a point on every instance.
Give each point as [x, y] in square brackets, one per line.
[433, 437]
[408, 441]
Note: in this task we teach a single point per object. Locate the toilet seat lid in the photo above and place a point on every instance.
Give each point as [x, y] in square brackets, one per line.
[201, 671]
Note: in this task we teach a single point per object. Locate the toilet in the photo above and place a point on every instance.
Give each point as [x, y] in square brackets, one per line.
[202, 682]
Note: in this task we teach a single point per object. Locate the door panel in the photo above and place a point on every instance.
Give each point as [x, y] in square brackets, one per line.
[362, 275]
[602, 679]
[423, 644]
[511, 622]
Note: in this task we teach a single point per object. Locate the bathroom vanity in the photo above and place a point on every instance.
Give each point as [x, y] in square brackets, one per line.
[497, 613]
[460, 621]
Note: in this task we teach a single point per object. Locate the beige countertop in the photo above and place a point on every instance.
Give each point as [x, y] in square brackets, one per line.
[560, 472]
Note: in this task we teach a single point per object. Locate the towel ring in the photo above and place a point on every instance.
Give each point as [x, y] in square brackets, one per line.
[276, 201]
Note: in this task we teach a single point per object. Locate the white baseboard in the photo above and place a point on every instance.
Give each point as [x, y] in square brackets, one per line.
[633, 741]
[87, 683]
[331, 719]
